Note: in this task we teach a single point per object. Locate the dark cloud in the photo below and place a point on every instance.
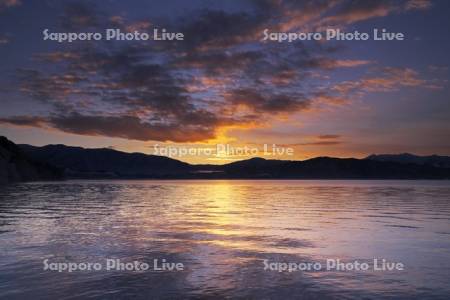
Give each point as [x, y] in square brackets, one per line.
[219, 29]
[79, 15]
[219, 62]
[321, 143]
[24, 121]
[257, 102]
[129, 127]
[313, 143]
[328, 136]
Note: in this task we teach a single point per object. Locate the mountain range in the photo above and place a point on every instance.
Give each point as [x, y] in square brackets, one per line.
[407, 158]
[26, 163]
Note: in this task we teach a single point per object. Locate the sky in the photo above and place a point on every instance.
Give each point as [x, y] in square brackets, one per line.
[223, 84]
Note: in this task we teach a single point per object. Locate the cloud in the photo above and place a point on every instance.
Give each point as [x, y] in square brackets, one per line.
[418, 4]
[78, 15]
[259, 103]
[219, 62]
[59, 56]
[141, 26]
[313, 143]
[348, 63]
[221, 76]
[218, 29]
[353, 11]
[438, 69]
[129, 127]
[328, 136]
[28, 121]
[4, 40]
[284, 77]
[329, 63]
[292, 15]
[298, 14]
[387, 79]
[4, 4]
[321, 143]
[320, 140]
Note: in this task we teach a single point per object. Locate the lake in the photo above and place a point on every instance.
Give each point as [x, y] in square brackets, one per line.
[229, 239]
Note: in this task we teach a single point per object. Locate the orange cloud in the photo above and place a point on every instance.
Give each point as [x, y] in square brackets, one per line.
[391, 79]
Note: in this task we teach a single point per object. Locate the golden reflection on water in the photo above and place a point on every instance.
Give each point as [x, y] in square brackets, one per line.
[221, 229]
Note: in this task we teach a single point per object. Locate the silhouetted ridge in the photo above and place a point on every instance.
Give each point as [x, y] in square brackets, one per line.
[108, 163]
[15, 166]
[407, 158]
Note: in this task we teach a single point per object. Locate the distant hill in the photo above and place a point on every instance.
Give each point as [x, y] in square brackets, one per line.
[104, 163]
[406, 158]
[107, 163]
[15, 166]
[332, 168]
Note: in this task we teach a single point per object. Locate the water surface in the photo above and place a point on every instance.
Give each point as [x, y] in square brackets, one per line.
[222, 231]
